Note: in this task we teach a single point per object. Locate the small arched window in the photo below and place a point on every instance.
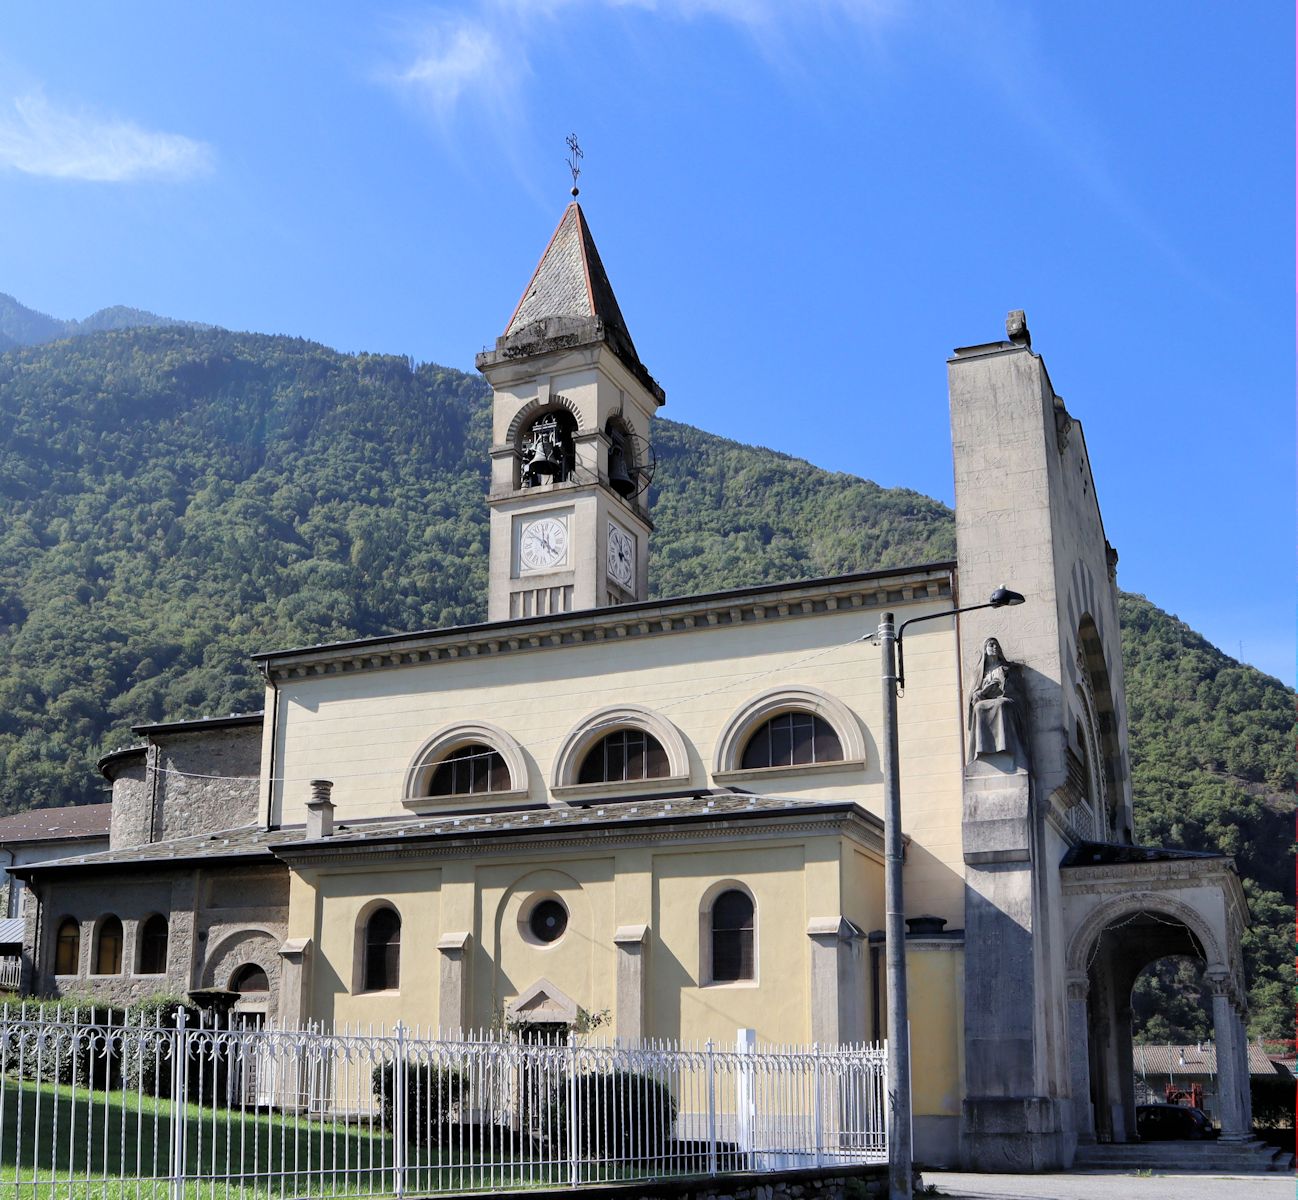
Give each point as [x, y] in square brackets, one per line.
[792, 739]
[153, 945]
[108, 947]
[732, 937]
[248, 979]
[67, 948]
[625, 754]
[472, 770]
[382, 951]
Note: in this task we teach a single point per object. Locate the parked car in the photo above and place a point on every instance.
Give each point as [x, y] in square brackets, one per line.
[1172, 1122]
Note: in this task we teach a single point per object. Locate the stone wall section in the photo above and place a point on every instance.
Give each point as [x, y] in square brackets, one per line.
[219, 918]
[1026, 518]
[206, 781]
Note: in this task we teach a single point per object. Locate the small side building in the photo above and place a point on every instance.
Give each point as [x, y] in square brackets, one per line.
[183, 894]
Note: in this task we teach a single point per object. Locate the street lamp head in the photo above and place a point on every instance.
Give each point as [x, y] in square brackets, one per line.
[1003, 597]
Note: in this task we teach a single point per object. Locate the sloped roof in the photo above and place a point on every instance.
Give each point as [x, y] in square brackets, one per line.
[1153, 1060]
[50, 824]
[570, 281]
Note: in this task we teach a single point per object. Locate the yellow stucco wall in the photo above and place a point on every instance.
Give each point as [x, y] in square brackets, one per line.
[935, 993]
[669, 888]
[364, 729]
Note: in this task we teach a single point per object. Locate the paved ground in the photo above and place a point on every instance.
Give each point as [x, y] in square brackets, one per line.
[1112, 1186]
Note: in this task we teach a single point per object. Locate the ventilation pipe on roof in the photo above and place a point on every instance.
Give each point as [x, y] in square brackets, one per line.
[320, 810]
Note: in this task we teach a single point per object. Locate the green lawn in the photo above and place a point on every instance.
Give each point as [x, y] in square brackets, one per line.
[59, 1142]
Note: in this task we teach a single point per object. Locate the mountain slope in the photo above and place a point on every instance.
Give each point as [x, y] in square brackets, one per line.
[23, 326]
[172, 499]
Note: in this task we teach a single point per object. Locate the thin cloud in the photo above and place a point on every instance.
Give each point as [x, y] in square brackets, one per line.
[455, 60]
[38, 139]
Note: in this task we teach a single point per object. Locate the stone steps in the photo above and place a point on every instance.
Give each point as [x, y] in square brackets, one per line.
[1231, 1158]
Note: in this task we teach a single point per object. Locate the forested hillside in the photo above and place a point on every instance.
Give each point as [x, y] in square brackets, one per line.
[173, 498]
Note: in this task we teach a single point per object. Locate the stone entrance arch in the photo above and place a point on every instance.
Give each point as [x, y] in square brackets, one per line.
[1126, 907]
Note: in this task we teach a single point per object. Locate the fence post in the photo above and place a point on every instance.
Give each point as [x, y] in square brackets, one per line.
[574, 1120]
[817, 1112]
[712, 1109]
[400, 1117]
[179, 1061]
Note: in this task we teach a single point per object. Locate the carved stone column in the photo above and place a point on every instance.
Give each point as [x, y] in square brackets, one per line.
[632, 942]
[1079, 1056]
[1245, 1075]
[453, 984]
[1230, 1105]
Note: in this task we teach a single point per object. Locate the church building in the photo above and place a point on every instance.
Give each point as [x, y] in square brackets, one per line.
[664, 816]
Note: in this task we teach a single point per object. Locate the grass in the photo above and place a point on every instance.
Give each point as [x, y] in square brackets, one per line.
[63, 1142]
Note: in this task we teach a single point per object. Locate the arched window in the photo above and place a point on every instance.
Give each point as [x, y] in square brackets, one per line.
[248, 979]
[792, 739]
[67, 948]
[108, 947]
[472, 770]
[732, 937]
[623, 755]
[546, 450]
[382, 951]
[153, 945]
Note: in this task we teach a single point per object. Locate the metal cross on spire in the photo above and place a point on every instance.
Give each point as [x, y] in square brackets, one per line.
[574, 161]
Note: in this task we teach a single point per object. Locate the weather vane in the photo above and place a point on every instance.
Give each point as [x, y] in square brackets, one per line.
[574, 161]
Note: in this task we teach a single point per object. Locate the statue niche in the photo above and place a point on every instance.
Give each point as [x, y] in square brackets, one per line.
[998, 708]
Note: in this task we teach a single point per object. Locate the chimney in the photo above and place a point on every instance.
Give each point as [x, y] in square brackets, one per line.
[320, 810]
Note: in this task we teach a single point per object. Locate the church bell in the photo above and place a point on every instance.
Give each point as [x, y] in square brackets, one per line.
[619, 478]
[546, 460]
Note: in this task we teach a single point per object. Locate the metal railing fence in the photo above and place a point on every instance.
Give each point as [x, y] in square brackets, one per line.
[157, 1108]
[11, 973]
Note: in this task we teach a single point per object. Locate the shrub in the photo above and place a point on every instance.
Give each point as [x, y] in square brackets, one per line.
[1273, 1102]
[433, 1091]
[621, 1114]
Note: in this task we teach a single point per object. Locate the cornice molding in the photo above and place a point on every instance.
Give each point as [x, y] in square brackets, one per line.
[649, 619]
[857, 825]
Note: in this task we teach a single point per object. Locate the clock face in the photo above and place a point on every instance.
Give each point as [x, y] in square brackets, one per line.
[543, 544]
[621, 556]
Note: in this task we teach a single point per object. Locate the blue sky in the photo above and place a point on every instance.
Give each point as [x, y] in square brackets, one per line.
[803, 207]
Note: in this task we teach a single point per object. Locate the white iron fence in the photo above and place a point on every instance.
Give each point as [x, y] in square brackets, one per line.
[154, 1109]
[11, 973]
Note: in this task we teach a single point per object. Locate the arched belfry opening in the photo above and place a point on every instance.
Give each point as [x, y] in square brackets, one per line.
[1128, 908]
[546, 449]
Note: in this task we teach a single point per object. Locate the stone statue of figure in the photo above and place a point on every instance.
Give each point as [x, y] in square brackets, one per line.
[997, 708]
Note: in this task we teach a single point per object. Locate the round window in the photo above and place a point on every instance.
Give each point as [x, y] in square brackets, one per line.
[548, 920]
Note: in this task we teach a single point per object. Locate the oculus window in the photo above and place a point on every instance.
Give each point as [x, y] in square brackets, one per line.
[548, 921]
[382, 951]
[472, 770]
[732, 937]
[626, 754]
[792, 739]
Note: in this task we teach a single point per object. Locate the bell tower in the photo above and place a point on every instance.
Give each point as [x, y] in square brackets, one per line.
[570, 456]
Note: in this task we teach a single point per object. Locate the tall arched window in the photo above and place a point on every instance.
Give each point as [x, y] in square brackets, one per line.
[382, 951]
[108, 947]
[153, 945]
[625, 754]
[472, 770]
[791, 739]
[67, 948]
[732, 937]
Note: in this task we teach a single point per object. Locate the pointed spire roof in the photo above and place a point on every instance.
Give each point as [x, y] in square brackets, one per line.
[570, 281]
[569, 296]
